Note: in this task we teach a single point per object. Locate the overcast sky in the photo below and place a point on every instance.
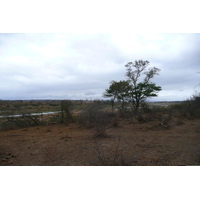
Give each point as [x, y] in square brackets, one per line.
[80, 66]
[98, 38]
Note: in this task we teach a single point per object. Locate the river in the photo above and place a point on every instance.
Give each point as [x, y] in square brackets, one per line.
[43, 113]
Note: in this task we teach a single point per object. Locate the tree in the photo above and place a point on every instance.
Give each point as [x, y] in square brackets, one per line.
[111, 92]
[117, 90]
[141, 90]
[66, 115]
[124, 88]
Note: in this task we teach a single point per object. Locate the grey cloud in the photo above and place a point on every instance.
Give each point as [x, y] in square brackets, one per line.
[90, 93]
[79, 65]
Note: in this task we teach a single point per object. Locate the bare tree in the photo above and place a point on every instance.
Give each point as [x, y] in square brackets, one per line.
[141, 89]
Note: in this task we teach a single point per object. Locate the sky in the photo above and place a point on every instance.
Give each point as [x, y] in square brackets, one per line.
[73, 50]
[81, 65]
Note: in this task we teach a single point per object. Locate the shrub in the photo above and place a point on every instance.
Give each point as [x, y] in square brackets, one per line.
[35, 104]
[55, 118]
[97, 118]
[164, 120]
[189, 109]
[53, 104]
[145, 107]
[115, 121]
[66, 108]
[127, 113]
[8, 125]
[116, 157]
[21, 121]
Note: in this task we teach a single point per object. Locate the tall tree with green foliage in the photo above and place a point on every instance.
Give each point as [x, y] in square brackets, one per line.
[140, 90]
[118, 90]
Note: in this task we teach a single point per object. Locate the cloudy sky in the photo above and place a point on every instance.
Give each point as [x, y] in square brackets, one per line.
[81, 65]
[73, 49]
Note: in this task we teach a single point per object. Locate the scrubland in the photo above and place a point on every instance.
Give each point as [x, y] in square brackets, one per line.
[91, 134]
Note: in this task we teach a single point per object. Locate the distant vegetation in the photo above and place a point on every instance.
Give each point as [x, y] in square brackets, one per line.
[98, 114]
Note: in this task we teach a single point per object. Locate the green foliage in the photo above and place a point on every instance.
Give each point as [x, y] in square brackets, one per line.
[144, 90]
[117, 91]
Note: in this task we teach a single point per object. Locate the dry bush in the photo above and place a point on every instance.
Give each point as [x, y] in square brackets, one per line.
[127, 113]
[189, 109]
[66, 111]
[110, 119]
[82, 120]
[115, 121]
[94, 116]
[56, 118]
[114, 158]
[145, 108]
[8, 126]
[25, 120]
[164, 119]
[101, 124]
[162, 115]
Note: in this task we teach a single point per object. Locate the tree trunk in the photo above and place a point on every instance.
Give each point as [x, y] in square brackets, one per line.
[123, 105]
[112, 102]
[137, 105]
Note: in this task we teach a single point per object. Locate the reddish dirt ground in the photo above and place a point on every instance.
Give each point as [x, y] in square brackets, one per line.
[146, 144]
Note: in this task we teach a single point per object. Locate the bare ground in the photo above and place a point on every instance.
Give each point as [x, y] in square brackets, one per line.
[140, 144]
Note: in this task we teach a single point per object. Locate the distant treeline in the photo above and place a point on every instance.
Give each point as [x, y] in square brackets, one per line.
[78, 101]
